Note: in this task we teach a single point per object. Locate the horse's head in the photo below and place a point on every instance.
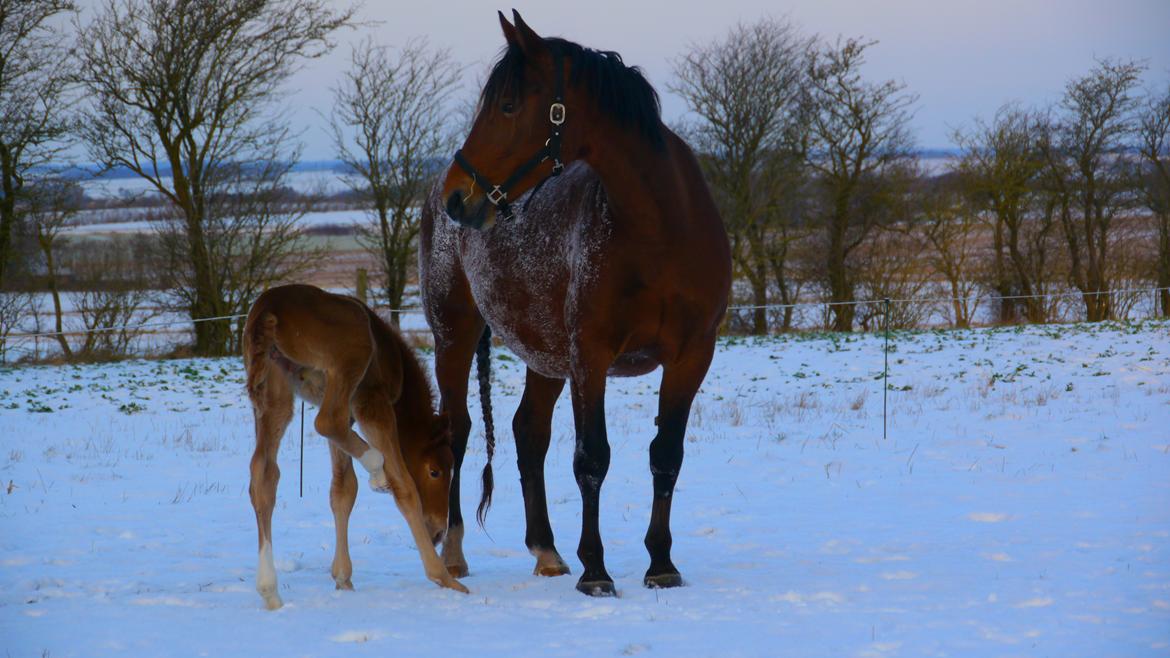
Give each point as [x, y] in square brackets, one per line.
[520, 131]
[430, 465]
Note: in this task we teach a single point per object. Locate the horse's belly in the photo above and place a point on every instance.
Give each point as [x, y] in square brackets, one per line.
[528, 317]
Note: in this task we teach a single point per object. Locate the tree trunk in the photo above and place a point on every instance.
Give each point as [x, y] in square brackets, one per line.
[759, 283]
[1006, 313]
[840, 287]
[46, 244]
[7, 210]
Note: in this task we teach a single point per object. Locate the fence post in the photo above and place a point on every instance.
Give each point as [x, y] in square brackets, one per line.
[363, 284]
[886, 367]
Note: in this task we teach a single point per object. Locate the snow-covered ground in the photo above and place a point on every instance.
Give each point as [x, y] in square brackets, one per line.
[1019, 507]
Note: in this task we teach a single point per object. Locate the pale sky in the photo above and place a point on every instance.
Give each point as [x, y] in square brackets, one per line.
[963, 58]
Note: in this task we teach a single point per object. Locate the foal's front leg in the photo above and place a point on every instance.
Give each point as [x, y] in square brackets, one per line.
[379, 423]
[333, 422]
[342, 494]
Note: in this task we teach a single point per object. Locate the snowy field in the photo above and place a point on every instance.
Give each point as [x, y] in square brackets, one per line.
[1019, 507]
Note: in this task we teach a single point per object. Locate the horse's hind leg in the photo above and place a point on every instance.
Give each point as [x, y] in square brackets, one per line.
[532, 426]
[590, 465]
[680, 382]
[272, 407]
[342, 494]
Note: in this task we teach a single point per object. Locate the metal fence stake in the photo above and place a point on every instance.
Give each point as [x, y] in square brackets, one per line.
[886, 368]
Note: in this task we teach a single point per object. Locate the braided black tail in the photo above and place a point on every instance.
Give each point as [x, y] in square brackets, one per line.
[483, 363]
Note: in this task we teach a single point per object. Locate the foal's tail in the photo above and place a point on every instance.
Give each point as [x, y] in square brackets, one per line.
[483, 353]
[257, 342]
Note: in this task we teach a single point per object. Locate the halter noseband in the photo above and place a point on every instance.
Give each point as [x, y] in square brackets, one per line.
[497, 195]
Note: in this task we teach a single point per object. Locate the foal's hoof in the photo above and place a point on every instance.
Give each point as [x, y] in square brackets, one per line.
[273, 602]
[457, 570]
[345, 585]
[663, 580]
[596, 587]
[379, 484]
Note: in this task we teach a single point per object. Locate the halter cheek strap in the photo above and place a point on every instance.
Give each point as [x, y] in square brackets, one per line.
[497, 195]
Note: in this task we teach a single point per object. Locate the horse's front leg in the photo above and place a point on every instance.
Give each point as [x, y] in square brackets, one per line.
[590, 465]
[454, 349]
[680, 382]
[532, 427]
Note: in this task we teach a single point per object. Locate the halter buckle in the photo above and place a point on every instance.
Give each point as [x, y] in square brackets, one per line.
[558, 167]
[556, 113]
[497, 195]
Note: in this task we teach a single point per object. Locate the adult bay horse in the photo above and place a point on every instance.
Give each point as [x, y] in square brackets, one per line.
[616, 266]
[339, 355]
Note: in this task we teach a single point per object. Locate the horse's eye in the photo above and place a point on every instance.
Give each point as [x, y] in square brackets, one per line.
[507, 107]
[435, 474]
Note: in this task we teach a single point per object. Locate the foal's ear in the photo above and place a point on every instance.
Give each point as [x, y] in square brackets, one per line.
[530, 42]
[441, 426]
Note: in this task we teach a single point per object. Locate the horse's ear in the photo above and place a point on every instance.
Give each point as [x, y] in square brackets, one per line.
[510, 34]
[529, 41]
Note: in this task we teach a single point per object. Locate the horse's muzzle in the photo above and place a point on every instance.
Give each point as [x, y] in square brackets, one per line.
[473, 217]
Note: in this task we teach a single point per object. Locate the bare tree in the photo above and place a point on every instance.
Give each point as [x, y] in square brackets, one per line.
[182, 92]
[111, 294]
[52, 203]
[35, 69]
[253, 235]
[953, 229]
[1087, 175]
[1154, 146]
[14, 307]
[859, 150]
[391, 128]
[1000, 168]
[745, 90]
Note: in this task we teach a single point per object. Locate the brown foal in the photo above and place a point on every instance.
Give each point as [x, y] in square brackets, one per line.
[336, 353]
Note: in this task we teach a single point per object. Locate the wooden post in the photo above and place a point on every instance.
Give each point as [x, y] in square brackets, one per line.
[363, 284]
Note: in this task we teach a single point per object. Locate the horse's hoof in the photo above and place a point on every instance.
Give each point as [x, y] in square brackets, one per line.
[380, 485]
[457, 570]
[551, 570]
[549, 564]
[663, 580]
[273, 602]
[596, 587]
[345, 584]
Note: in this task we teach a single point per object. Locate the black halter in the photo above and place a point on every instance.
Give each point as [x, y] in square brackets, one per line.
[497, 195]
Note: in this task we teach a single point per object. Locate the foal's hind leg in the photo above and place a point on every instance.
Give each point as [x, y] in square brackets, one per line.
[342, 494]
[272, 407]
[532, 426]
[680, 382]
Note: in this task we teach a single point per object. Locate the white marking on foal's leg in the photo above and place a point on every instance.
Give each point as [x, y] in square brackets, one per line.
[266, 578]
[373, 462]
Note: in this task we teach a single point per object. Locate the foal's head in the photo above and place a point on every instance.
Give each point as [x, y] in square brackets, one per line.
[430, 462]
[537, 112]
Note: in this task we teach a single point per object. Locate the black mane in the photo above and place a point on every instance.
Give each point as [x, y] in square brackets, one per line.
[621, 92]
